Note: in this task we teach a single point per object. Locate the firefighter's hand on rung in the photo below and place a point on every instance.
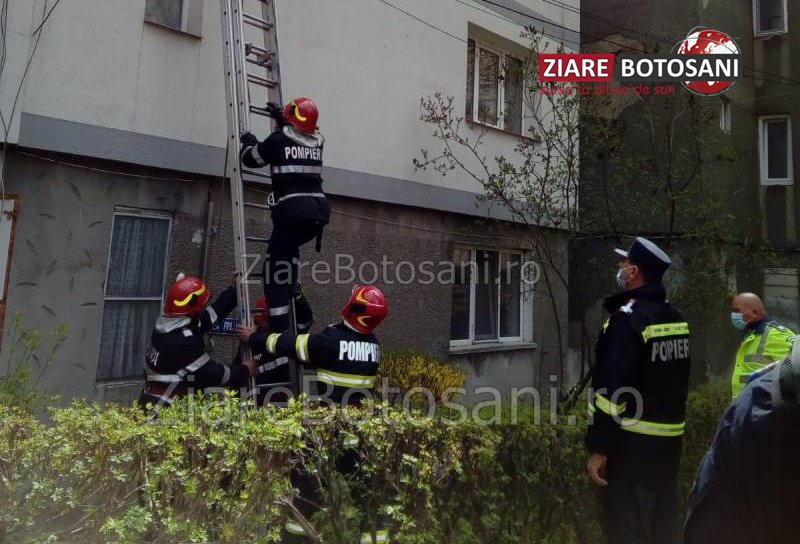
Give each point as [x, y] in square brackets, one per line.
[248, 139]
[246, 331]
[251, 366]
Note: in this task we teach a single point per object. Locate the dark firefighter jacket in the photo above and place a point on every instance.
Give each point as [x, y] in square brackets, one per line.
[295, 160]
[640, 385]
[177, 358]
[345, 359]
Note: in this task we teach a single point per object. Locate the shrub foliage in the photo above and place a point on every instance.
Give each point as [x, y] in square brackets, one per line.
[210, 471]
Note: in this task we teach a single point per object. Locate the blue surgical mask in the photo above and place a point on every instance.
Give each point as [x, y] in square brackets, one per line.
[738, 322]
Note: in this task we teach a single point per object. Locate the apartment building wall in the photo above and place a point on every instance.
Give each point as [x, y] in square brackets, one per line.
[120, 117]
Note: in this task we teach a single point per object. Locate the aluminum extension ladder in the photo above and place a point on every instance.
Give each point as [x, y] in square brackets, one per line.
[252, 78]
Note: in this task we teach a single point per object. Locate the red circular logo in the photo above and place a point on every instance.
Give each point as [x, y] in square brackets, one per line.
[704, 41]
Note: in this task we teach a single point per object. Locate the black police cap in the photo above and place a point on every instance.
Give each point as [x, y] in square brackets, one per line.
[647, 256]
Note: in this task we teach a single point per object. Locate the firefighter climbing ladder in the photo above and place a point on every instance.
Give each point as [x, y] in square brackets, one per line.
[252, 78]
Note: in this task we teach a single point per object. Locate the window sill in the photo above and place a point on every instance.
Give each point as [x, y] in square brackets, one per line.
[479, 125]
[771, 34]
[777, 182]
[182, 32]
[492, 347]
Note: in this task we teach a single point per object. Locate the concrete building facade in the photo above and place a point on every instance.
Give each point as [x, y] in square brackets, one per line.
[115, 162]
[755, 150]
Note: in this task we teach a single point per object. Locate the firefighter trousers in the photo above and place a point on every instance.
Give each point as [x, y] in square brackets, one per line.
[637, 513]
[282, 270]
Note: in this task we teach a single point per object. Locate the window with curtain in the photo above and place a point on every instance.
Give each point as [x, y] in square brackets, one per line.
[494, 88]
[134, 287]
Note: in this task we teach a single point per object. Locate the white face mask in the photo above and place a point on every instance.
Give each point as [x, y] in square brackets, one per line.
[620, 281]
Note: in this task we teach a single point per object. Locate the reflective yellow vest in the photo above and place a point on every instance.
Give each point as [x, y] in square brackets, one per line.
[767, 343]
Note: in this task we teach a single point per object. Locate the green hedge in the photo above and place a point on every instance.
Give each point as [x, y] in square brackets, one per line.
[104, 474]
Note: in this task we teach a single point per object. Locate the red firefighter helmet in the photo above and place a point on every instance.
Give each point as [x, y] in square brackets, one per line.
[366, 308]
[260, 313]
[302, 113]
[187, 296]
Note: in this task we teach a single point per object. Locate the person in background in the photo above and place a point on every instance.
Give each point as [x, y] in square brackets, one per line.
[765, 340]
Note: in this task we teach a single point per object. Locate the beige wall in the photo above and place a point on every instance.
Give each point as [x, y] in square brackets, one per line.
[366, 64]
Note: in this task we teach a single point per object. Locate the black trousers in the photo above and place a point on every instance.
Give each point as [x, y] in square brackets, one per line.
[282, 270]
[636, 512]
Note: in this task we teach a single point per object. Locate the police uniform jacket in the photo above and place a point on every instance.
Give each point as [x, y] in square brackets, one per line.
[344, 358]
[177, 357]
[640, 385]
[295, 160]
[764, 342]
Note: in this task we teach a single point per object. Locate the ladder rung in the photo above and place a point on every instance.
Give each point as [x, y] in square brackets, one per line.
[276, 384]
[257, 240]
[266, 63]
[256, 174]
[264, 82]
[260, 111]
[263, 57]
[257, 22]
[257, 206]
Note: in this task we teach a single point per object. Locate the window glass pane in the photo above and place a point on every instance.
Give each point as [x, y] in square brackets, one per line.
[459, 317]
[470, 79]
[135, 269]
[126, 330]
[770, 15]
[510, 284]
[164, 12]
[486, 295]
[513, 95]
[488, 74]
[777, 149]
[138, 254]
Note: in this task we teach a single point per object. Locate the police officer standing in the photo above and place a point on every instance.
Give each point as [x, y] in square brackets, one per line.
[300, 210]
[764, 342]
[640, 385]
[746, 489]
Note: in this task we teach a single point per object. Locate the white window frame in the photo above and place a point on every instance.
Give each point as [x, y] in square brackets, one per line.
[191, 18]
[146, 214]
[501, 89]
[758, 33]
[525, 300]
[725, 115]
[8, 228]
[763, 151]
